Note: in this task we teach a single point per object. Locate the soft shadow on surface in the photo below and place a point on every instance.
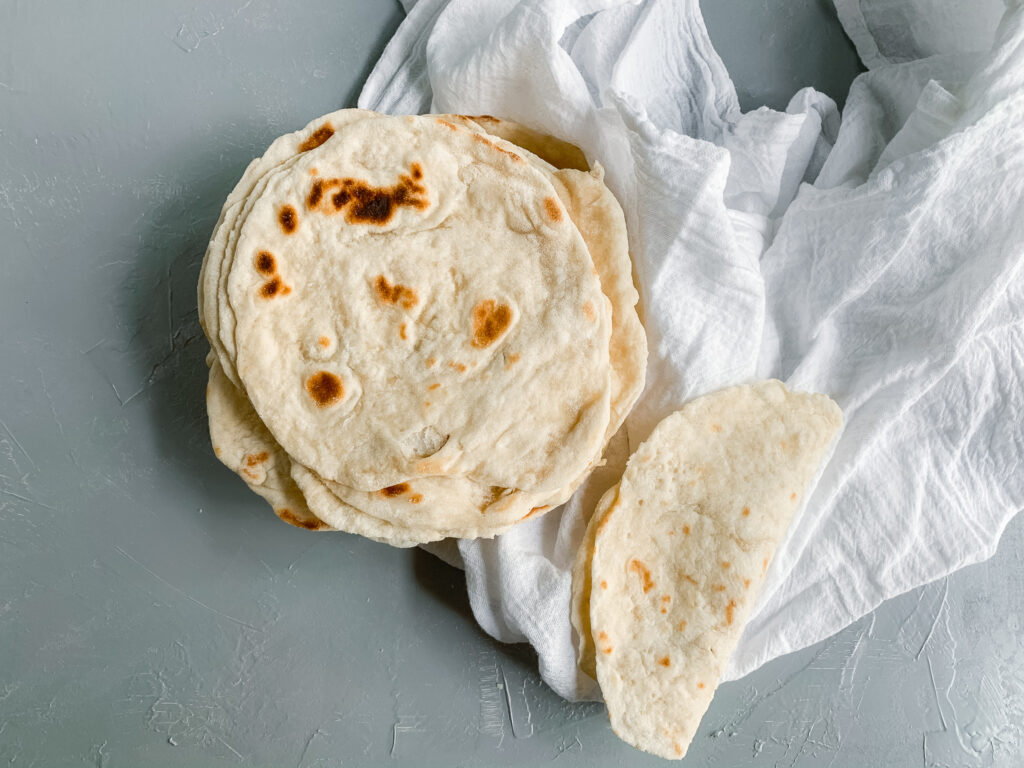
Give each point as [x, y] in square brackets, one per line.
[387, 31]
[447, 585]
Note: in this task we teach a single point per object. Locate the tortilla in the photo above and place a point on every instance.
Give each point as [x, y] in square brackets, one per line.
[460, 247]
[680, 555]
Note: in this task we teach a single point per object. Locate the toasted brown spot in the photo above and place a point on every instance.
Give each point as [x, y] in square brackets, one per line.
[395, 294]
[609, 649]
[490, 321]
[484, 140]
[588, 311]
[460, 367]
[700, 685]
[256, 458]
[637, 567]
[216, 451]
[289, 517]
[431, 362]
[536, 510]
[318, 137]
[394, 490]
[746, 583]
[679, 749]
[288, 219]
[729, 609]
[792, 496]
[604, 584]
[416, 498]
[364, 203]
[553, 209]
[313, 171]
[446, 124]
[686, 530]
[764, 566]
[323, 341]
[682, 625]
[401, 332]
[672, 533]
[689, 578]
[435, 385]
[725, 563]
[265, 263]
[285, 290]
[665, 661]
[325, 388]
[716, 428]
[666, 598]
[718, 587]
[250, 474]
[746, 511]
[640, 503]
[602, 636]
[426, 403]
[271, 288]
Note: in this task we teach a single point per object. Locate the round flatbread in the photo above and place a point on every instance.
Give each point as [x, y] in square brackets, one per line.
[416, 313]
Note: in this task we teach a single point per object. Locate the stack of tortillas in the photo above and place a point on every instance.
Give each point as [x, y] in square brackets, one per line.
[419, 329]
[426, 327]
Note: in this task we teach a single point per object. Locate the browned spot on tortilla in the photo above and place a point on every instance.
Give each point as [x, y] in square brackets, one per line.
[672, 532]
[536, 510]
[426, 403]
[665, 661]
[782, 445]
[716, 428]
[416, 498]
[460, 367]
[746, 511]
[725, 563]
[288, 219]
[431, 362]
[490, 321]
[446, 124]
[679, 749]
[588, 311]
[718, 587]
[435, 385]
[290, 517]
[640, 503]
[604, 584]
[323, 341]
[265, 263]
[216, 451]
[729, 611]
[700, 685]
[256, 458]
[746, 583]
[318, 137]
[764, 566]
[395, 294]
[666, 598]
[325, 388]
[686, 530]
[364, 203]
[511, 360]
[271, 288]
[285, 290]
[682, 625]
[553, 209]
[689, 578]
[401, 332]
[484, 140]
[250, 474]
[394, 490]
[313, 171]
[792, 496]
[645, 575]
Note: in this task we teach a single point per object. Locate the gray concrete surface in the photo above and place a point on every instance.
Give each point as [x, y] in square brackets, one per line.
[155, 613]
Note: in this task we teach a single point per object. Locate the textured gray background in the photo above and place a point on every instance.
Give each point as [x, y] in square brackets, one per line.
[154, 613]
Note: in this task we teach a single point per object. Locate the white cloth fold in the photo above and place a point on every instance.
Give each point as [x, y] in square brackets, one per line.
[877, 258]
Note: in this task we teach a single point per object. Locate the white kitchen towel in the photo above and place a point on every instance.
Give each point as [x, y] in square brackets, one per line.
[876, 259]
